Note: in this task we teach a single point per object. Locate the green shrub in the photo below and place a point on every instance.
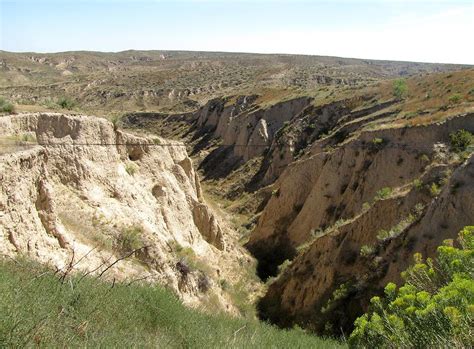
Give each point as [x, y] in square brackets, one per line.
[377, 141]
[435, 190]
[455, 98]
[6, 106]
[341, 293]
[367, 250]
[130, 239]
[398, 228]
[66, 103]
[418, 184]
[282, 267]
[400, 88]
[433, 309]
[383, 234]
[460, 140]
[383, 193]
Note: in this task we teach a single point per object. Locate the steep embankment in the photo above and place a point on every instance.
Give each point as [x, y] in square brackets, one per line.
[348, 189]
[242, 146]
[77, 193]
[233, 141]
[352, 215]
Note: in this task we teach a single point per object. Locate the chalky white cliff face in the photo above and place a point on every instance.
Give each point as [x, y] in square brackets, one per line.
[83, 193]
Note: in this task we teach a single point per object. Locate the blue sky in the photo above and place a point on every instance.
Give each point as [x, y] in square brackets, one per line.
[418, 30]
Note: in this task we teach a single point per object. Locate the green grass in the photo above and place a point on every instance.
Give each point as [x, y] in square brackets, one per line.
[36, 309]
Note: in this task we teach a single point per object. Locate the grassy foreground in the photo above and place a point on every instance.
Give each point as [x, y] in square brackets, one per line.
[36, 309]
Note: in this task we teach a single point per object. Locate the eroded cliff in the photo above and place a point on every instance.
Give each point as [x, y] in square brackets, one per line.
[351, 215]
[77, 192]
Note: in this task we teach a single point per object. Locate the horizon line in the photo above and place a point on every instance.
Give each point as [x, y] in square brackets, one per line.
[235, 52]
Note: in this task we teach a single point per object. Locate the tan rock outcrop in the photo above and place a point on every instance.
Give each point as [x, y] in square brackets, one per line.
[244, 126]
[86, 192]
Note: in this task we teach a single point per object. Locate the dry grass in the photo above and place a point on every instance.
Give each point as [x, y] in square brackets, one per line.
[430, 97]
[144, 81]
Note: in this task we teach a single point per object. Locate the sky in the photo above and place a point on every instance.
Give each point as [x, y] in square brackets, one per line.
[411, 30]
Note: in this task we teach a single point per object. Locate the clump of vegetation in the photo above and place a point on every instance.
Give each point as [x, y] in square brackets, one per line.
[455, 98]
[66, 103]
[400, 88]
[396, 230]
[130, 239]
[317, 233]
[435, 190]
[377, 141]
[341, 293]
[131, 168]
[38, 310]
[425, 158]
[6, 106]
[224, 284]
[432, 309]
[418, 184]
[367, 250]
[187, 256]
[115, 120]
[28, 138]
[49, 103]
[460, 140]
[383, 193]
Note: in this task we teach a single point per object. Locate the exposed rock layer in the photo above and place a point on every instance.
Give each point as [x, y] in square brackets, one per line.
[87, 190]
[331, 202]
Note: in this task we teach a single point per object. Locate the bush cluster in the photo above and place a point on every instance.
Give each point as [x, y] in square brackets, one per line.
[383, 193]
[460, 140]
[6, 106]
[434, 307]
[130, 239]
[66, 103]
[400, 88]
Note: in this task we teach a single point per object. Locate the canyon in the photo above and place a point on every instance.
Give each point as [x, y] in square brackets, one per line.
[294, 197]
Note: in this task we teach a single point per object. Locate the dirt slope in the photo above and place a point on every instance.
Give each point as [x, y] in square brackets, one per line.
[354, 215]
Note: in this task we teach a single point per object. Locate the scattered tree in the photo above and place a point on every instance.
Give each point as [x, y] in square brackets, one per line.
[400, 88]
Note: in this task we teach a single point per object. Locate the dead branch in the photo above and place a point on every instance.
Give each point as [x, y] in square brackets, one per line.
[120, 259]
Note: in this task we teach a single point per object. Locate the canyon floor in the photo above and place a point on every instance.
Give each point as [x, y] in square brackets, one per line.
[256, 186]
